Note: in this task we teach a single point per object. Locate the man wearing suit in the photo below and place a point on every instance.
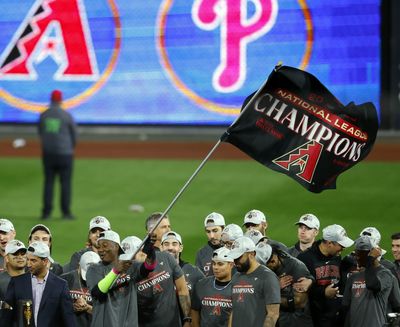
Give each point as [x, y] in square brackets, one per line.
[47, 295]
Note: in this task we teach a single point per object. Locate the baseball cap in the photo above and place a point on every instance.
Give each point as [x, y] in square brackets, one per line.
[364, 243]
[231, 232]
[56, 95]
[14, 246]
[6, 225]
[222, 254]
[373, 233]
[110, 235]
[310, 220]
[130, 244]
[214, 219]
[254, 217]
[99, 222]
[39, 227]
[263, 252]
[375, 236]
[40, 250]
[173, 235]
[254, 235]
[337, 233]
[87, 259]
[241, 245]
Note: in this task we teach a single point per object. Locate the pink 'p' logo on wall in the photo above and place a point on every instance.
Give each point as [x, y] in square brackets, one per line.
[237, 30]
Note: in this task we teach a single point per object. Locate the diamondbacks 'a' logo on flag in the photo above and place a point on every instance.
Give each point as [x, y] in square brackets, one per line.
[47, 31]
[303, 159]
[295, 126]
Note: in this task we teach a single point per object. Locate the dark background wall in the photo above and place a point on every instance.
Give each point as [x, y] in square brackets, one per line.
[390, 92]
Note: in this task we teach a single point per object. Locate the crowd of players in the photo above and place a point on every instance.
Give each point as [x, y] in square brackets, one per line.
[240, 277]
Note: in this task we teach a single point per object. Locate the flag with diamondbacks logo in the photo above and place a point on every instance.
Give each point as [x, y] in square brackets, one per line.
[296, 126]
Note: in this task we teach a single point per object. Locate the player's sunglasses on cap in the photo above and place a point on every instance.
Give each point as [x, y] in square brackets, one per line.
[250, 225]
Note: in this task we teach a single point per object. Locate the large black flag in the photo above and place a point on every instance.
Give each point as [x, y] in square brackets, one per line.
[296, 126]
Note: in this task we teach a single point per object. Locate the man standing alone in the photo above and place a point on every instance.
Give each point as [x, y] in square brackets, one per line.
[57, 131]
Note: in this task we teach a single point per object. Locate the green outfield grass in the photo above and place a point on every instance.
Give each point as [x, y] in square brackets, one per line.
[366, 195]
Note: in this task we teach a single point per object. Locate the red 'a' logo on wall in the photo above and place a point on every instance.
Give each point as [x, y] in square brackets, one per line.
[56, 29]
[304, 159]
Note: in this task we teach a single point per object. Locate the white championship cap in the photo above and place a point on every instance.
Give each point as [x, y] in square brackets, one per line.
[99, 222]
[87, 259]
[336, 233]
[14, 246]
[40, 227]
[255, 217]
[263, 252]
[171, 235]
[110, 235]
[241, 246]
[375, 236]
[214, 219]
[373, 233]
[254, 235]
[131, 244]
[310, 220]
[40, 250]
[6, 225]
[222, 254]
[231, 232]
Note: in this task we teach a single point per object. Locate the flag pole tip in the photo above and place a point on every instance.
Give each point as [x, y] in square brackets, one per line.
[278, 65]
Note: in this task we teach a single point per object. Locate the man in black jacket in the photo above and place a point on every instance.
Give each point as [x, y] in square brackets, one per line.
[324, 263]
[40, 290]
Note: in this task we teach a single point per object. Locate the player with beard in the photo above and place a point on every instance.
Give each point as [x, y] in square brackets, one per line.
[212, 297]
[163, 296]
[112, 283]
[97, 225]
[214, 223]
[307, 231]
[367, 291]
[171, 242]
[47, 293]
[255, 288]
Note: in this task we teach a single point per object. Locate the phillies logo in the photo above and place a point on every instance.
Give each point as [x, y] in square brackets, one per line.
[304, 159]
[225, 48]
[237, 30]
[54, 45]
